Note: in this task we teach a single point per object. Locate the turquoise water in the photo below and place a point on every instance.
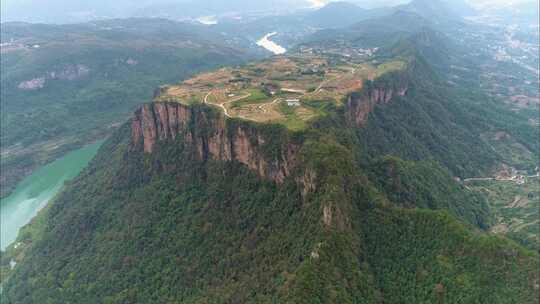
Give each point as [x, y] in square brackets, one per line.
[35, 191]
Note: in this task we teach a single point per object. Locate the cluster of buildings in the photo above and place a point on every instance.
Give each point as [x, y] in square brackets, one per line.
[514, 175]
[346, 51]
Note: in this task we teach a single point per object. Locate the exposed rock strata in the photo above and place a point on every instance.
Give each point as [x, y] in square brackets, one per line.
[359, 106]
[213, 137]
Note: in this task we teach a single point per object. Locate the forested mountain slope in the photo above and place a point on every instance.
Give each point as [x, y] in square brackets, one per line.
[64, 86]
[185, 204]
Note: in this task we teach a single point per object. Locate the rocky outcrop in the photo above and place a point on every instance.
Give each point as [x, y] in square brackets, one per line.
[307, 182]
[211, 136]
[360, 105]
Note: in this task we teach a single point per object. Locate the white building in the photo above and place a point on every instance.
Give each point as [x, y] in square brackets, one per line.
[293, 102]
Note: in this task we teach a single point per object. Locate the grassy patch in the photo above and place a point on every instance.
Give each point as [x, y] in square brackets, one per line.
[390, 66]
[256, 96]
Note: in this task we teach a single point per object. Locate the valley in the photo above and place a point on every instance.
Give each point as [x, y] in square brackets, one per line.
[506, 60]
[35, 192]
[64, 87]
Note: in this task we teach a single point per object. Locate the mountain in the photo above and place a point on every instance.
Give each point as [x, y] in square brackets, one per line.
[340, 14]
[66, 85]
[439, 10]
[478, 92]
[441, 15]
[378, 4]
[400, 21]
[294, 27]
[249, 184]
[373, 32]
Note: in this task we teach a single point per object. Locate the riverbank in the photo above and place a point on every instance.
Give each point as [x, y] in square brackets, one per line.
[36, 190]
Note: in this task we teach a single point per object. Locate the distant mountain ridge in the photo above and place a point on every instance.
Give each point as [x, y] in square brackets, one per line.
[340, 14]
[437, 9]
[62, 11]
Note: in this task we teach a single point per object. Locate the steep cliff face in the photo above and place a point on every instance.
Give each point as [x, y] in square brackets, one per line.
[212, 136]
[360, 105]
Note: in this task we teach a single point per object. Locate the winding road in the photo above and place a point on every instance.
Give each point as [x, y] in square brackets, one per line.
[222, 105]
[263, 106]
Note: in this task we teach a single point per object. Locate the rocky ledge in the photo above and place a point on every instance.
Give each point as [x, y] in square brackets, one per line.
[212, 136]
[359, 106]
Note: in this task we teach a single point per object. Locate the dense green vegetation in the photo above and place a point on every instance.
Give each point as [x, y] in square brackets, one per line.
[167, 227]
[94, 76]
[368, 215]
[436, 260]
[444, 123]
[425, 184]
[127, 231]
[427, 124]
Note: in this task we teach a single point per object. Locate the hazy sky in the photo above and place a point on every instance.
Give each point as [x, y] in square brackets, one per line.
[313, 2]
[477, 3]
[496, 2]
[80, 10]
[85, 4]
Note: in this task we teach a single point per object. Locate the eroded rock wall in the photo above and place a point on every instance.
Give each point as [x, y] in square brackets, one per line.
[212, 137]
[359, 106]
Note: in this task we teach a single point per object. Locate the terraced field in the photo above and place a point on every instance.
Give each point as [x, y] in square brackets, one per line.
[290, 90]
[516, 208]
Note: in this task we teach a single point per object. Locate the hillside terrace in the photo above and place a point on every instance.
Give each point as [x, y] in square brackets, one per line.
[291, 89]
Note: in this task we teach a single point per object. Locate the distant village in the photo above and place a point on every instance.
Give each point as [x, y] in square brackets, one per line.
[345, 51]
[14, 46]
[519, 177]
[508, 175]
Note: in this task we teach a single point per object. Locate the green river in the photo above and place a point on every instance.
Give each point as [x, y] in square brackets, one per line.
[34, 192]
